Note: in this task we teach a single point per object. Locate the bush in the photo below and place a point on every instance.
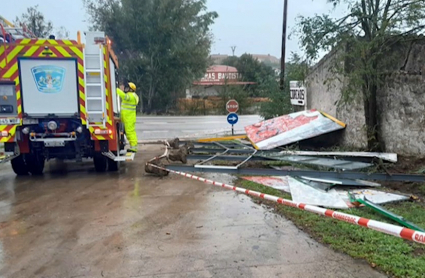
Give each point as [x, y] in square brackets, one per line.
[280, 102]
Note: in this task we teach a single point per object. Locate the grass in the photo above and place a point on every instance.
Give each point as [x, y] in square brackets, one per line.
[391, 255]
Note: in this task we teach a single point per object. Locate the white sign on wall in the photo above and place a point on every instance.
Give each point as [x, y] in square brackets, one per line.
[298, 93]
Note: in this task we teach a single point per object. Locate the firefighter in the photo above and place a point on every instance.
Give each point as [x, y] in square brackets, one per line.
[129, 103]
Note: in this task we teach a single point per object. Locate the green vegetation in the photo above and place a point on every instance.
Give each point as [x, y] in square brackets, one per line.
[280, 101]
[34, 20]
[267, 82]
[363, 39]
[252, 70]
[163, 45]
[391, 255]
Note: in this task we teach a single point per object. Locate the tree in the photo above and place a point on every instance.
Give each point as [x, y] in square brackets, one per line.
[363, 40]
[163, 45]
[34, 20]
[280, 101]
[62, 33]
[251, 70]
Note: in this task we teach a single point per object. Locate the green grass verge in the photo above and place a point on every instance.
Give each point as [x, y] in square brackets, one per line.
[391, 255]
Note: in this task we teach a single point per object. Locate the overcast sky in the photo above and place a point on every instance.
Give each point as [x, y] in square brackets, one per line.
[253, 26]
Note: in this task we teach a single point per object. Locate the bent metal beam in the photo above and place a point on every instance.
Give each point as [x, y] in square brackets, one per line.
[297, 173]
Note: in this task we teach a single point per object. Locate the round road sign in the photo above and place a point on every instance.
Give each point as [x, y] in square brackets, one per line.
[232, 118]
[232, 106]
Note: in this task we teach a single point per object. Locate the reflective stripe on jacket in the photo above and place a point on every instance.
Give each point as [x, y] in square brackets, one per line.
[129, 100]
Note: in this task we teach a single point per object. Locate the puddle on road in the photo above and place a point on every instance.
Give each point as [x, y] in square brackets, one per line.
[223, 178]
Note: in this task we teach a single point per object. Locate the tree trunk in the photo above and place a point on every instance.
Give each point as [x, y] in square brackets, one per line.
[141, 102]
[371, 115]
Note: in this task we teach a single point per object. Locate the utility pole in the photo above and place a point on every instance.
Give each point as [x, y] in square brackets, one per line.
[233, 50]
[282, 59]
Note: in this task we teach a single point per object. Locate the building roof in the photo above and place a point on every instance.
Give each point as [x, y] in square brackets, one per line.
[222, 68]
[268, 57]
[222, 83]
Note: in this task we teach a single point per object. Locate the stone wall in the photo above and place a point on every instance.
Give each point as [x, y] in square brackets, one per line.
[401, 102]
[402, 113]
[324, 93]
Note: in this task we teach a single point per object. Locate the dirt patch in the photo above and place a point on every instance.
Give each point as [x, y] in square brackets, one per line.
[418, 252]
[408, 165]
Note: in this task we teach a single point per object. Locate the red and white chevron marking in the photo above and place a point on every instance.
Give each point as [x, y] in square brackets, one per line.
[382, 227]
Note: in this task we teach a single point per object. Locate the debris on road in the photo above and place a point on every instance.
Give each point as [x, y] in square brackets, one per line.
[377, 197]
[390, 157]
[330, 196]
[346, 182]
[179, 155]
[284, 130]
[361, 199]
[156, 167]
[324, 162]
[303, 193]
[279, 183]
[393, 230]
[330, 188]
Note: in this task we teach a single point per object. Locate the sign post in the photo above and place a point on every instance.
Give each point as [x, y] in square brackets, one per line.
[232, 106]
[232, 119]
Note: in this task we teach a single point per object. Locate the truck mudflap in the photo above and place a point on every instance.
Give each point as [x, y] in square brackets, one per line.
[128, 156]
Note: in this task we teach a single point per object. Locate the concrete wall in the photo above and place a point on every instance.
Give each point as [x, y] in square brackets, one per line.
[203, 91]
[401, 102]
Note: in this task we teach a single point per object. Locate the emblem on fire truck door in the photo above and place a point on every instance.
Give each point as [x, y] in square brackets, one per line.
[49, 79]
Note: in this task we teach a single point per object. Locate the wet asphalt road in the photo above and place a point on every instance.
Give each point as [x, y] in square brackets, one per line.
[73, 222]
[197, 126]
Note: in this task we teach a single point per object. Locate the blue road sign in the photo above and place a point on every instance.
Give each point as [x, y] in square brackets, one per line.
[232, 118]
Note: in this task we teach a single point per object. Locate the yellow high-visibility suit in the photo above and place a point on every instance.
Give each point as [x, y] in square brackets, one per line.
[129, 103]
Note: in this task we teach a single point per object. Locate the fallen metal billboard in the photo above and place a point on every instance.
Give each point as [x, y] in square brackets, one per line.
[291, 128]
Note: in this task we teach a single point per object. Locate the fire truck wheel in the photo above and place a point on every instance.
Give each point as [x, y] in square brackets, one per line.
[113, 166]
[35, 164]
[100, 162]
[19, 166]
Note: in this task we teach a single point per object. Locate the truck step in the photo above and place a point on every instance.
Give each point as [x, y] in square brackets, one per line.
[128, 156]
[6, 157]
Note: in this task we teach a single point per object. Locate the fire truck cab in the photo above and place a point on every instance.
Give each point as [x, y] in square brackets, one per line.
[58, 100]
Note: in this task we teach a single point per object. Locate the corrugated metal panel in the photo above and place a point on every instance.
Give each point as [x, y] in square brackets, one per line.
[325, 162]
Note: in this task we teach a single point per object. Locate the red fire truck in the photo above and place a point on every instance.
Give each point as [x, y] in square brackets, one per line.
[58, 101]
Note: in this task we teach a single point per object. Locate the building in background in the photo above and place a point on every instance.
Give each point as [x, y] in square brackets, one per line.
[213, 82]
[268, 59]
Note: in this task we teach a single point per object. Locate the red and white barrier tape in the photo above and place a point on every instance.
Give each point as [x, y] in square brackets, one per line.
[386, 228]
[165, 154]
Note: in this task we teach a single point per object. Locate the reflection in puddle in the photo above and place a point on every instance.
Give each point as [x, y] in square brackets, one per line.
[136, 191]
[1, 257]
[224, 178]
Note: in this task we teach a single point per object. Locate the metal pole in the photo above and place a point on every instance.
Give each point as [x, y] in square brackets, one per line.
[233, 131]
[282, 61]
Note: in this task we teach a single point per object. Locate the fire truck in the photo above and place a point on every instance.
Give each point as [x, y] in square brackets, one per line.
[58, 100]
